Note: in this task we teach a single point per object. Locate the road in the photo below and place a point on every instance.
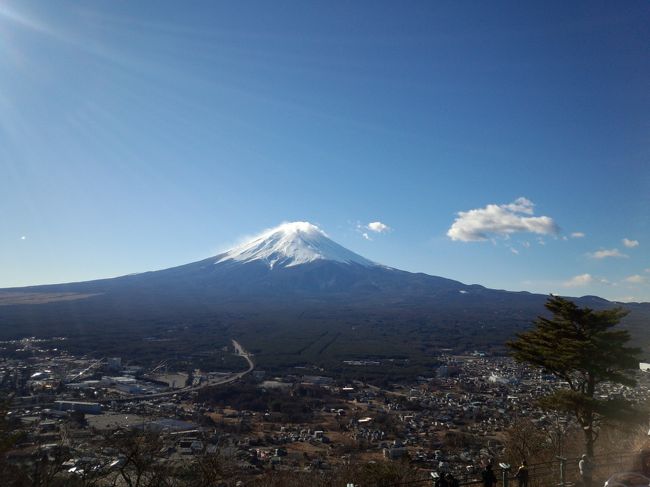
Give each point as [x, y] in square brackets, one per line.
[243, 353]
[239, 350]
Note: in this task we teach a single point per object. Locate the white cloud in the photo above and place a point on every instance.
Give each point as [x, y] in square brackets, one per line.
[378, 227]
[577, 235]
[514, 251]
[525, 244]
[579, 280]
[635, 279]
[500, 220]
[605, 253]
[630, 243]
[23, 237]
[521, 205]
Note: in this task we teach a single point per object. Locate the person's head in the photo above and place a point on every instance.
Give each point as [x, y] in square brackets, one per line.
[584, 456]
[523, 463]
[449, 476]
[488, 466]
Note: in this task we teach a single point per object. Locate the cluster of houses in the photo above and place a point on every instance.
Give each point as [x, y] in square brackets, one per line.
[64, 405]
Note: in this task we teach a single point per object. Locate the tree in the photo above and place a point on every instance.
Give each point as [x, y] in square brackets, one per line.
[143, 461]
[580, 347]
[209, 470]
[10, 435]
[523, 440]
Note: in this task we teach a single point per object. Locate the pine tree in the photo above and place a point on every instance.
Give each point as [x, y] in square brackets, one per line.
[580, 347]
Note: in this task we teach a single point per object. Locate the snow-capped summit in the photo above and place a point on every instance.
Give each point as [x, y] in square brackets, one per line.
[292, 244]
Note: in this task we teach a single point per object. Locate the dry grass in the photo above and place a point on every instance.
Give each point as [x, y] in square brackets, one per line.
[17, 298]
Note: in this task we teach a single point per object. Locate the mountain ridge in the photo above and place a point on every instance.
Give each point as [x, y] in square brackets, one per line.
[297, 253]
[271, 291]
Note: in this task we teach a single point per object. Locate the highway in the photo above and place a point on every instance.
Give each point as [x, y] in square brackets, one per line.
[243, 353]
[239, 350]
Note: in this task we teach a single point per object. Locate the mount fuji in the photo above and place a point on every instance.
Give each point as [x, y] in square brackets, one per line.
[292, 244]
[293, 278]
[289, 262]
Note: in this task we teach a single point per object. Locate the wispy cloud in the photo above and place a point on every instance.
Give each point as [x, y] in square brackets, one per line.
[630, 244]
[579, 281]
[626, 299]
[606, 253]
[578, 235]
[366, 236]
[500, 221]
[635, 279]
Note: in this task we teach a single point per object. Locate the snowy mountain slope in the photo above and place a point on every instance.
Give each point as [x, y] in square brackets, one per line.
[291, 272]
[292, 244]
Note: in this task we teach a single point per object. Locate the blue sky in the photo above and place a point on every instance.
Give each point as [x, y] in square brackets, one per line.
[141, 135]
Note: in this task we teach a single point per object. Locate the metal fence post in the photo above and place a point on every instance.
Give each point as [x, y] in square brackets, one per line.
[562, 470]
[505, 469]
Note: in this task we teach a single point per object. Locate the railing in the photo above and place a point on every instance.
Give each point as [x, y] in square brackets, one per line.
[561, 472]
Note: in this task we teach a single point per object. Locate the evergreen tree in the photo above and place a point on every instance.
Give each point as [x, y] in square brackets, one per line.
[581, 348]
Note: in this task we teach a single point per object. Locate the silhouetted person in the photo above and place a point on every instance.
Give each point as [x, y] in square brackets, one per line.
[522, 474]
[451, 480]
[489, 479]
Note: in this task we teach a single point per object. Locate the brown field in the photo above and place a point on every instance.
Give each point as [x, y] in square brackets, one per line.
[13, 298]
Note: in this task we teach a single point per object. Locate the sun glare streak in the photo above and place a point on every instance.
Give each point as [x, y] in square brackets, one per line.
[22, 20]
[12, 59]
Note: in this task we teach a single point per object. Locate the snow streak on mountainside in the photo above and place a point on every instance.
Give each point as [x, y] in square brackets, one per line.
[292, 244]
